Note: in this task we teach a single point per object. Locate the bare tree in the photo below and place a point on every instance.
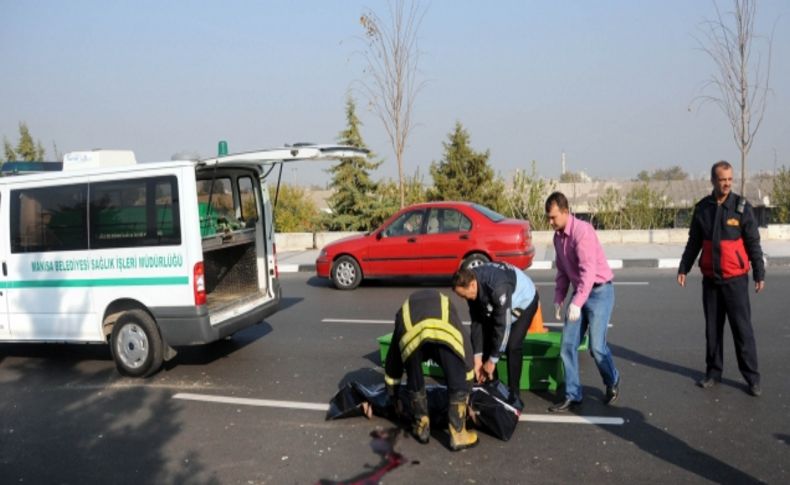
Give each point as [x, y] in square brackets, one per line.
[740, 78]
[391, 83]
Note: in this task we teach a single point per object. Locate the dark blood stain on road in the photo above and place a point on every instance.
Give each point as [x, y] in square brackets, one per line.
[383, 444]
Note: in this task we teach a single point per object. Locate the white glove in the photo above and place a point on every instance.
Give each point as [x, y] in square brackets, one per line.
[574, 313]
[558, 311]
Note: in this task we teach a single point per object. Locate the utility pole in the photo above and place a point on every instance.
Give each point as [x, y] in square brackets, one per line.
[562, 170]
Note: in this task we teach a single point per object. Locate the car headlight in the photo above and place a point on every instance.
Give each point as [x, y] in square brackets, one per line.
[322, 254]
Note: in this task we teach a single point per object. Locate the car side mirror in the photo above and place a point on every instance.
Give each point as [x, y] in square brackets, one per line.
[378, 235]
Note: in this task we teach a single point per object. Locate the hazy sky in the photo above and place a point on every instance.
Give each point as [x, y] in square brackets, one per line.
[608, 82]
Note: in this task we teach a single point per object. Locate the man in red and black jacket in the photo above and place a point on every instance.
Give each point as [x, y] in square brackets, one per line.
[724, 227]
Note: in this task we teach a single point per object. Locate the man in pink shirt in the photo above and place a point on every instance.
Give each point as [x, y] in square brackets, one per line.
[581, 262]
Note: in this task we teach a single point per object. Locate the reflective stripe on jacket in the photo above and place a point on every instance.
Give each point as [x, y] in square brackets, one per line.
[426, 317]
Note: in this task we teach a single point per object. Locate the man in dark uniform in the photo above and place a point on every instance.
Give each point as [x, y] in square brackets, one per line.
[724, 227]
[502, 301]
[428, 327]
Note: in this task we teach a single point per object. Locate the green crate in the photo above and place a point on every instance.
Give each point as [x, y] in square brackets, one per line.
[537, 373]
[541, 365]
[547, 344]
[208, 220]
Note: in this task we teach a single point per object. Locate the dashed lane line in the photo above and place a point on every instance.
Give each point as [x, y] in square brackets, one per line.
[269, 403]
[311, 406]
[546, 418]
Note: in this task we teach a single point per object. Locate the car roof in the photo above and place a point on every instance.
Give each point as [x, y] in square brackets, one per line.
[423, 205]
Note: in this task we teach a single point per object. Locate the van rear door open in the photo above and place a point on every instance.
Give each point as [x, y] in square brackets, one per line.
[238, 234]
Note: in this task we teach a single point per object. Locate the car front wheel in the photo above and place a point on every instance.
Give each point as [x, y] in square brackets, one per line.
[346, 273]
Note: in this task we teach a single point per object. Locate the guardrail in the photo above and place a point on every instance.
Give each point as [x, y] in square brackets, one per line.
[295, 241]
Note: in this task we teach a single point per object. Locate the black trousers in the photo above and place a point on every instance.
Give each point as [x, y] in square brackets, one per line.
[514, 352]
[452, 365]
[731, 300]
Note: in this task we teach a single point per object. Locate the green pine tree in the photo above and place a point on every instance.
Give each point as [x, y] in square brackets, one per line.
[465, 175]
[352, 202]
[26, 148]
[10, 154]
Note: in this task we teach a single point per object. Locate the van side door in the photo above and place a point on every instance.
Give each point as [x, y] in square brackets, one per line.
[48, 261]
[4, 328]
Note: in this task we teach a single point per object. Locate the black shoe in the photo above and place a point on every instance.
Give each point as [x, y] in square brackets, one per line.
[565, 405]
[612, 392]
[707, 382]
[754, 390]
[516, 402]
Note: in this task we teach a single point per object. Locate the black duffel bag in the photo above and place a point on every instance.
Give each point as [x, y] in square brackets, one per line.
[492, 411]
[349, 399]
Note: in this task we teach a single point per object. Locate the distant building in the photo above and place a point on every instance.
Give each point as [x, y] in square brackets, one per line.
[678, 193]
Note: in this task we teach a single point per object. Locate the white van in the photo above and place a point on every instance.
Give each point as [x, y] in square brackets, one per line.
[144, 256]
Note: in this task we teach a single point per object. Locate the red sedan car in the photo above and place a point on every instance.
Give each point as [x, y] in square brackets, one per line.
[431, 239]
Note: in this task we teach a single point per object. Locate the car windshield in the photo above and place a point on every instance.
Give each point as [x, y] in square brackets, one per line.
[494, 216]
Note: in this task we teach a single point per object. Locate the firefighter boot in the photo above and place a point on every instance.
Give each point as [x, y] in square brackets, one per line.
[421, 425]
[460, 437]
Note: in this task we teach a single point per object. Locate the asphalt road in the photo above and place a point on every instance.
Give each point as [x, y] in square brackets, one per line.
[67, 417]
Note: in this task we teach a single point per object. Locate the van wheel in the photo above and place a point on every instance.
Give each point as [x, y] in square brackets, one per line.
[346, 273]
[475, 260]
[136, 344]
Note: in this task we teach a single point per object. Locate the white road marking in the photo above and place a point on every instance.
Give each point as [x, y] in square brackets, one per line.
[390, 322]
[541, 265]
[269, 403]
[351, 320]
[544, 418]
[288, 268]
[668, 262]
[311, 406]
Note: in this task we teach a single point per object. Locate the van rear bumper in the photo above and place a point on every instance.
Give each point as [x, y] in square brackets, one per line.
[191, 325]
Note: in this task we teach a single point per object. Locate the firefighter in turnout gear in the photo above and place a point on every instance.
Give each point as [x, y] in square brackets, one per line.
[428, 327]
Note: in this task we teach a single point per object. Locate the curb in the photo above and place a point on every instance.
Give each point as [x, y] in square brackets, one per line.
[653, 263]
[296, 268]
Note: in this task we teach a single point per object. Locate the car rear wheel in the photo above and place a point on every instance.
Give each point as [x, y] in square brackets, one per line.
[475, 260]
[346, 273]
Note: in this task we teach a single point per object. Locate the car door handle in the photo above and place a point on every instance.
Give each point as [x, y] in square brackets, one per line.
[464, 237]
[412, 240]
[5, 269]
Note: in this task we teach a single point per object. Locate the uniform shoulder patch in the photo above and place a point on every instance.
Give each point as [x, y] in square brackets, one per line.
[733, 222]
